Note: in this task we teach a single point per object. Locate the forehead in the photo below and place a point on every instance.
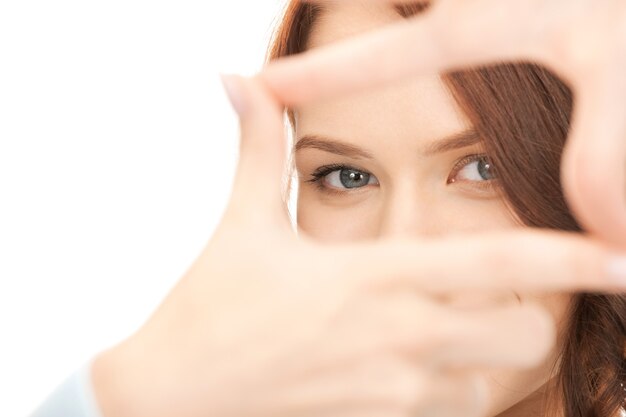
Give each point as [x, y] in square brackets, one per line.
[416, 109]
[341, 19]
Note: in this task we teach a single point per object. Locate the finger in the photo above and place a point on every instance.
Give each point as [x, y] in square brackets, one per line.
[519, 260]
[391, 384]
[593, 168]
[452, 35]
[257, 191]
[507, 337]
[415, 327]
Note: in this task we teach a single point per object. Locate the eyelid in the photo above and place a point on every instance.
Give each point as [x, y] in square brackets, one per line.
[327, 169]
[462, 163]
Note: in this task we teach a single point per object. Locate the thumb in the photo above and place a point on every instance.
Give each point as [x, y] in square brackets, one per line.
[257, 191]
[593, 162]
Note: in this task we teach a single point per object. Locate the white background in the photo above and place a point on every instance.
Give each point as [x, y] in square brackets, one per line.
[117, 150]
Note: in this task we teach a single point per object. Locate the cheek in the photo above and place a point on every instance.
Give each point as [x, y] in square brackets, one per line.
[374, 214]
[325, 221]
[447, 211]
[460, 215]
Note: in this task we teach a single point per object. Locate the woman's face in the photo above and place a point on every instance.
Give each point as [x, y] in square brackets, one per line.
[404, 161]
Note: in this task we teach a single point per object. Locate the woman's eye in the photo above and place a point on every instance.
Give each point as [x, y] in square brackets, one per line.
[473, 168]
[343, 178]
[349, 178]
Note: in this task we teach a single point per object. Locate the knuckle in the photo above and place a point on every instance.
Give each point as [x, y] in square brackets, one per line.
[588, 37]
[408, 389]
[406, 326]
[395, 380]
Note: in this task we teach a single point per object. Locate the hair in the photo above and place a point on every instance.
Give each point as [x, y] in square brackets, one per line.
[522, 112]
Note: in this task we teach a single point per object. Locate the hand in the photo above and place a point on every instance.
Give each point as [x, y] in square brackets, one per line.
[583, 41]
[268, 324]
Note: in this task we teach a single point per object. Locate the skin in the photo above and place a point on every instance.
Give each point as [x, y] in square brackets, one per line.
[412, 191]
[582, 41]
[333, 315]
[267, 323]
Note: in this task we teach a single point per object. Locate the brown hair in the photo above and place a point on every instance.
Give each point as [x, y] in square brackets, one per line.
[523, 113]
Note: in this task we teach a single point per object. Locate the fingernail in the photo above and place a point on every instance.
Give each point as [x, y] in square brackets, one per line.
[234, 91]
[616, 269]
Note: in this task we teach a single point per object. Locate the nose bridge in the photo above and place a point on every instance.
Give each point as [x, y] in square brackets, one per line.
[408, 211]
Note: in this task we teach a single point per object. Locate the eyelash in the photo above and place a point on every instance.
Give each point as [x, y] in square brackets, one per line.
[317, 177]
[462, 163]
[320, 173]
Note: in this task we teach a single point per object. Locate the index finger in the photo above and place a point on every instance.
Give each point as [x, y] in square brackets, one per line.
[523, 260]
[453, 34]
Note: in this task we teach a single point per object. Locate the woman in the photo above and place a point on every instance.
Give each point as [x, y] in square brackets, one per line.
[383, 316]
[375, 165]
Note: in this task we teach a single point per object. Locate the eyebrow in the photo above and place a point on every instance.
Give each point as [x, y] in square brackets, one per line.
[463, 139]
[459, 140]
[332, 146]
